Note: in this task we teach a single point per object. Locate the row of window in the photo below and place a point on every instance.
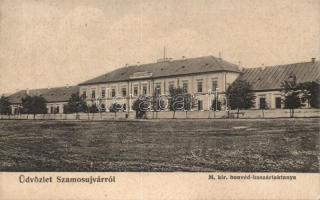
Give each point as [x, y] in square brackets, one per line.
[54, 109]
[263, 103]
[185, 87]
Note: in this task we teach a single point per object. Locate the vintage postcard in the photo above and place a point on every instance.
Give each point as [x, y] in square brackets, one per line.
[148, 99]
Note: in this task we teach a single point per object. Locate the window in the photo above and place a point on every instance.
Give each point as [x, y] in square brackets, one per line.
[199, 86]
[185, 86]
[124, 106]
[57, 109]
[124, 92]
[158, 89]
[103, 93]
[84, 94]
[171, 85]
[214, 84]
[278, 102]
[144, 89]
[135, 91]
[93, 94]
[263, 103]
[113, 92]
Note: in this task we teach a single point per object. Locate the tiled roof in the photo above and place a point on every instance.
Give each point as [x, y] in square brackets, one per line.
[270, 78]
[58, 94]
[166, 69]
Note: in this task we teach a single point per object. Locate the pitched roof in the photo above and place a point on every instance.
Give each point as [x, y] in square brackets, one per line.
[57, 94]
[270, 78]
[166, 69]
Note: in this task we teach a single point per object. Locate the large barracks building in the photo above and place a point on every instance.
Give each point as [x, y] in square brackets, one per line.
[204, 78]
[197, 76]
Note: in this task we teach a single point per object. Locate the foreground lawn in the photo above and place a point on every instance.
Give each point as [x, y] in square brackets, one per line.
[280, 145]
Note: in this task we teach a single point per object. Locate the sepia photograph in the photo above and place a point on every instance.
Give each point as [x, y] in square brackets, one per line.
[186, 86]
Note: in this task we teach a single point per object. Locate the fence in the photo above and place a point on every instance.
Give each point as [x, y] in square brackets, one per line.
[169, 115]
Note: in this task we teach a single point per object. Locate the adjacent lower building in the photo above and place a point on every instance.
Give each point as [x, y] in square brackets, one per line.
[266, 81]
[56, 98]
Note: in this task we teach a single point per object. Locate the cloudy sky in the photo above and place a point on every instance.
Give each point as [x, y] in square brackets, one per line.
[57, 42]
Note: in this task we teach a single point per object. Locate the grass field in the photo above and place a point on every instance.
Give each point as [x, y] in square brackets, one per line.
[280, 145]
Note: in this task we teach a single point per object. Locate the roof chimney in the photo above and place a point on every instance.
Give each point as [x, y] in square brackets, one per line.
[241, 68]
[67, 86]
[313, 60]
[127, 65]
[27, 91]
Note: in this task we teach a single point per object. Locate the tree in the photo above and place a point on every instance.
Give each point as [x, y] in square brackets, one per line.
[115, 107]
[93, 108]
[292, 95]
[4, 106]
[34, 105]
[179, 100]
[158, 103]
[141, 105]
[76, 104]
[310, 93]
[216, 105]
[240, 95]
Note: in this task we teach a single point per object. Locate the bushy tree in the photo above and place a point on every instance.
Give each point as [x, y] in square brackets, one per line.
[179, 100]
[34, 105]
[240, 95]
[158, 102]
[4, 106]
[141, 105]
[216, 105]
[93, 108]
[310, 93]
[292, 95]
[75, 104]
[115, 107]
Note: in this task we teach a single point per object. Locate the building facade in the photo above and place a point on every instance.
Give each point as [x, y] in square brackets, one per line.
[203, 78]
[56, 98]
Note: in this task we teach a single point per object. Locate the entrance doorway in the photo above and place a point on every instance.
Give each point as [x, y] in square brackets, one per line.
[200, 105]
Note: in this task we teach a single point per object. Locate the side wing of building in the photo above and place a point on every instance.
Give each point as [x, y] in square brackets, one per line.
[266, 81]
[56, 98]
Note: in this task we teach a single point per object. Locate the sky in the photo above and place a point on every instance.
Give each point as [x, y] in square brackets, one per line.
[49, 43]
